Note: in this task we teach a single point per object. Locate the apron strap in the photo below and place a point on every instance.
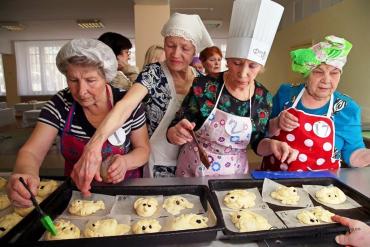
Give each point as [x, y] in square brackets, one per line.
[299, 96]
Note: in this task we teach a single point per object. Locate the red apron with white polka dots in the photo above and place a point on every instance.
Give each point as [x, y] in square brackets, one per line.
[224, 137]
[314, 140]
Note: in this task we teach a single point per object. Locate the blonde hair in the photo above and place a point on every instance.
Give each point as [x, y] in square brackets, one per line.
[153, 54]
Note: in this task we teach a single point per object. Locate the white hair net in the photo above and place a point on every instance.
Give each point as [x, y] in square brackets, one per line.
[94, 50]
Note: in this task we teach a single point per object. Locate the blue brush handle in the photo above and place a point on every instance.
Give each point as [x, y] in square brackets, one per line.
[285, 174]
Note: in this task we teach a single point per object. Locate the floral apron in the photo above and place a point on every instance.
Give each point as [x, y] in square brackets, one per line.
[72, 146]
[225, 138]
[314, 139]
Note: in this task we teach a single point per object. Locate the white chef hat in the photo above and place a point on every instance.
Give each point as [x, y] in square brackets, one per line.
[93, 50]
[189, 27]
[252, 30]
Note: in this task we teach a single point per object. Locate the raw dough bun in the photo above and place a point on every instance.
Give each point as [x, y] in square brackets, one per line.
[247, 221]
[46, 188]
[106, 227]
[24, 211]
[287, 195]
[239, 199]
[175, 204]
[307, 218]
[189, 221]
[85, 207]
[2, 182]
[4, 201]
[65, 230]
[331, 195]
[146, 206]
[323, 214]
[7, 222]
[146, 226]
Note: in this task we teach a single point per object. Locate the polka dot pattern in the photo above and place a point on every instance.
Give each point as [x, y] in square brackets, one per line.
[327, 146]
[290, 137]
[320, 161]
[302, 157]
[307, 126]
[308, 143]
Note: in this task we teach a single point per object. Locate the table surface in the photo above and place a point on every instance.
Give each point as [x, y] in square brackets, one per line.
[366, 134]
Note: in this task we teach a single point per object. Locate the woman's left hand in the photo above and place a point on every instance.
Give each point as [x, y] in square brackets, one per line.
[283, 151]
[117, 170]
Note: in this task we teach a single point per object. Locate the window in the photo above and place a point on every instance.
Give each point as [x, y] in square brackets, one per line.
[2, 80]
[36, 69]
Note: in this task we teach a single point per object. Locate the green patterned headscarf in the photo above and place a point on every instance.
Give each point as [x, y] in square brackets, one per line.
[333, 51]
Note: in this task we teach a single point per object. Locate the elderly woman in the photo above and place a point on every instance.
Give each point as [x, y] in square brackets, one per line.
[163, 87]
[313, 117]
[231, 110]
[211, 59]
[74, 114]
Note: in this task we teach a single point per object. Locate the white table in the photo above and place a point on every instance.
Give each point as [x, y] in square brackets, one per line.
[3, 105]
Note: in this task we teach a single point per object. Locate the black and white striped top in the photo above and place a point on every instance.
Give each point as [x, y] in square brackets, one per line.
[55, 113]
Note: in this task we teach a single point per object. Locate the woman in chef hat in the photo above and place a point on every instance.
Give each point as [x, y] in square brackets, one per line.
[231, 110]
[323, 124]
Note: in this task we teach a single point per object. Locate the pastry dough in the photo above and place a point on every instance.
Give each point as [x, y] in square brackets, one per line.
[331, 195]
[287, 195]
[46, 188]
[85, 207]
[189, 221]
[2, 182]
[4, 201]
[146, 206]
[247, 221]
[175, 204]
[106, 227]
[146, 226]
[65, 230]
[24, 211]
[239, 199]
[7, 222]
[307, 218]
[323, 214]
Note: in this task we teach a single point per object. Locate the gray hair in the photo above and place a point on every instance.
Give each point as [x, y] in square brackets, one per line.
[88, 52]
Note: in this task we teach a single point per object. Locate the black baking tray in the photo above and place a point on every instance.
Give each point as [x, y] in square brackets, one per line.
[18, 229]
[33, 233]
[361, 213]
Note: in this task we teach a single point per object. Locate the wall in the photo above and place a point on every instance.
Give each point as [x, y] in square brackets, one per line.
[349, 19]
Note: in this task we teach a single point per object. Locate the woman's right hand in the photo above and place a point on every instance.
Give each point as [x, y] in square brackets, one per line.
[287, 121]
[17, 193]
[179, 134]
[87, 168]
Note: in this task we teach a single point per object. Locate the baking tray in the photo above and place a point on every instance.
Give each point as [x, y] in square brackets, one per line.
[33, 233]
[29, 219]
[361, 213]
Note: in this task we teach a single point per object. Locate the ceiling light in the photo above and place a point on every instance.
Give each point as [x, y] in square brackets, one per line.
[210, 24]
[90, 24]
[12, 26]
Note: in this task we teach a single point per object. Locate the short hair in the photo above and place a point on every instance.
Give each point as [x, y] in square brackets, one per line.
[116, 41]
[153, 52]
[209, 52]
[82, 61]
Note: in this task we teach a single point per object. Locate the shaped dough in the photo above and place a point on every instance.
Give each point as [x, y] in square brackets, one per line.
[287, 195]
[7, 222]
[146, 226]
[247, 221]
[106, 227]
[4, 201]
[85, 207]
[323, 214]
[307, 218]
[239, 199]
[65, 230]
[175, 204]
[189, 221]
[2, 182]
[331, 195]
[46, 188]
[24, 211]
[146, 207]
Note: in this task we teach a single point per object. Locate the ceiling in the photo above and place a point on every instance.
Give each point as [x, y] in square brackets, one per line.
[56, 19]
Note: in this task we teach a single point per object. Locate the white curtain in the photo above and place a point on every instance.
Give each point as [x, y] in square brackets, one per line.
[37, 73]
[2, 80]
